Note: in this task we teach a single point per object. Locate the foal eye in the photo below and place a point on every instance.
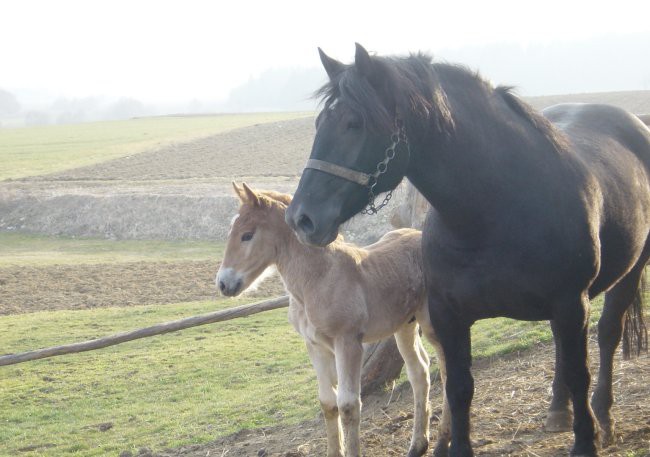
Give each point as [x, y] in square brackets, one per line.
[247, 236]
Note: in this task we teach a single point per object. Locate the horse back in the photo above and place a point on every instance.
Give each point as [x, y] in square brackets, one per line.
[614, 147]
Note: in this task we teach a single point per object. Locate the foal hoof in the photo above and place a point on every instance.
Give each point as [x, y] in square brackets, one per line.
[418, 449]
[559, 421]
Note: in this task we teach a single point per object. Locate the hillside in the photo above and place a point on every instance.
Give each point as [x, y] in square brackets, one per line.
[182, 189]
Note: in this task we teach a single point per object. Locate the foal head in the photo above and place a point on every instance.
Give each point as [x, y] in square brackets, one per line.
[255, 238]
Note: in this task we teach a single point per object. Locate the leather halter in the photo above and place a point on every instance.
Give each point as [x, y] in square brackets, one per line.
[369, 181]
[363, 179]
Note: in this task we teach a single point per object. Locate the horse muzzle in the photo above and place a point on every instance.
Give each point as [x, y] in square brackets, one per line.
[308, 228]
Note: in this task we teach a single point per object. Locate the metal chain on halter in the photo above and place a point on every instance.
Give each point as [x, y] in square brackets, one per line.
[397, 137]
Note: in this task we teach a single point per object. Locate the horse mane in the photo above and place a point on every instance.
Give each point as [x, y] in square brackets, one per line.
[404, 87]
[411, 86]
[526, 112]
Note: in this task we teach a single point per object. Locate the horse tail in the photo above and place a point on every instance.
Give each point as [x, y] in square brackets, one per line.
[635, 332]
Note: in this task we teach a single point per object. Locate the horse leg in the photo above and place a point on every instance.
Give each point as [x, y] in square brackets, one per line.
[455, 340]
[348, 352]
[323, 361]
[444, 427]
[610, 329]
[417, 367]
[560, 416]
[571, 320]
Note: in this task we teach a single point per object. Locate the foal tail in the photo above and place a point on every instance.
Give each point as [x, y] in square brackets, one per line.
[635, 332]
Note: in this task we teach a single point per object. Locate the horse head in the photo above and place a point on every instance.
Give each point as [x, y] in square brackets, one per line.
[360, 149]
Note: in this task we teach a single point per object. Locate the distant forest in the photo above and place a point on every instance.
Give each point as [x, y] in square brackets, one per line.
[602, 64]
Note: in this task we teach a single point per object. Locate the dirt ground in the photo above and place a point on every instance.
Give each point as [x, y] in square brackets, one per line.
[29, 289]
[512, 394]
[272, 149]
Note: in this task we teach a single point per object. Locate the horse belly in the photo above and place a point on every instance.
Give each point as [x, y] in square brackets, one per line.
[505, 282]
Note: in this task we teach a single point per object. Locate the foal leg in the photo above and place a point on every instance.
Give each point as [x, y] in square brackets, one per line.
[610, 329]
[572, 325]
[444, 426]
[455, 339]
[560, 416]
[323, 361]
[417, 367]
[348, 352]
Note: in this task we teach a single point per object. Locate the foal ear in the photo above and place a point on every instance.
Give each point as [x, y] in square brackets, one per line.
[363, 62]
[332, 67]
[239, 192]
[251, 197]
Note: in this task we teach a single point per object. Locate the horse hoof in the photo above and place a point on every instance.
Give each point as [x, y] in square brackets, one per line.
[441, 450]
[607, 434]
[559, 421]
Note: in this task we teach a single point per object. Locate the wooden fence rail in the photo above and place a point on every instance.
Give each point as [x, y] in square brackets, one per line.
[159, 329]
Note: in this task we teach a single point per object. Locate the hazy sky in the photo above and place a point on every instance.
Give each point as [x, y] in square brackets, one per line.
[161, 51]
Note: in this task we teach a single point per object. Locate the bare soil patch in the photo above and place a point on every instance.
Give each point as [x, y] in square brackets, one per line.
[271, 149]
[28, 289]
[509, 407]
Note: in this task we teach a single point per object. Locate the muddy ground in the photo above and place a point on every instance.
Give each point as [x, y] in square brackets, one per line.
[27, 289]
[512, 394]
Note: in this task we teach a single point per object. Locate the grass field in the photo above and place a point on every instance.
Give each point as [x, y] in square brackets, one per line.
[188, 387]
[165, 391]
[40, 150]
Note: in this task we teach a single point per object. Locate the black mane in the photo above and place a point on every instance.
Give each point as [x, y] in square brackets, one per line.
[410, 88]
[404, 87]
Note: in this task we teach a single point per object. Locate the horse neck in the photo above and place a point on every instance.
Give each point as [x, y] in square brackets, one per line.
[491, 147]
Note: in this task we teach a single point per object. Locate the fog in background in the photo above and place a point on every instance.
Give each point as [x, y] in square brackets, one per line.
[72, 61]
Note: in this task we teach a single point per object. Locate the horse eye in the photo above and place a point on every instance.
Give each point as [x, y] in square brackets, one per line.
[247, 236]
[353, 125]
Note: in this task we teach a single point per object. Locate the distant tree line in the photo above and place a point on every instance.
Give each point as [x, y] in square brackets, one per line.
[69, 110]
[607, 63]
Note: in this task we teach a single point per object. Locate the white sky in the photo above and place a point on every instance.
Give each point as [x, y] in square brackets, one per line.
[177, 50]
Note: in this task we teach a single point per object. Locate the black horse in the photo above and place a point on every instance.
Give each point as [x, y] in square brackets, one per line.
[532, 215]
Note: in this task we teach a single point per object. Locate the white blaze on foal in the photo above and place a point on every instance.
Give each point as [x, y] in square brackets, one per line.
[340, 297]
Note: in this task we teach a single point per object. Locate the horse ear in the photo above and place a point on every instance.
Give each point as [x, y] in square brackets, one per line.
[251, 196]
[332, 67]
[363, 62]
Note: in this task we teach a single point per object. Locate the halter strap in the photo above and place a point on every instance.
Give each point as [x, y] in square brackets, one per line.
[363, 179]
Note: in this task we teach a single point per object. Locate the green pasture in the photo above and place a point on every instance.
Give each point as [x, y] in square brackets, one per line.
[38, 250]
[162, 392]
[187, 387]
[33, 151]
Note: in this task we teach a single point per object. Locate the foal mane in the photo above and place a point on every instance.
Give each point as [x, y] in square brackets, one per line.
[278, 197]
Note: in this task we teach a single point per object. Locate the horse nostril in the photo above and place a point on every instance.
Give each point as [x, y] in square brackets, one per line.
[222, 286]
[305, 224]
